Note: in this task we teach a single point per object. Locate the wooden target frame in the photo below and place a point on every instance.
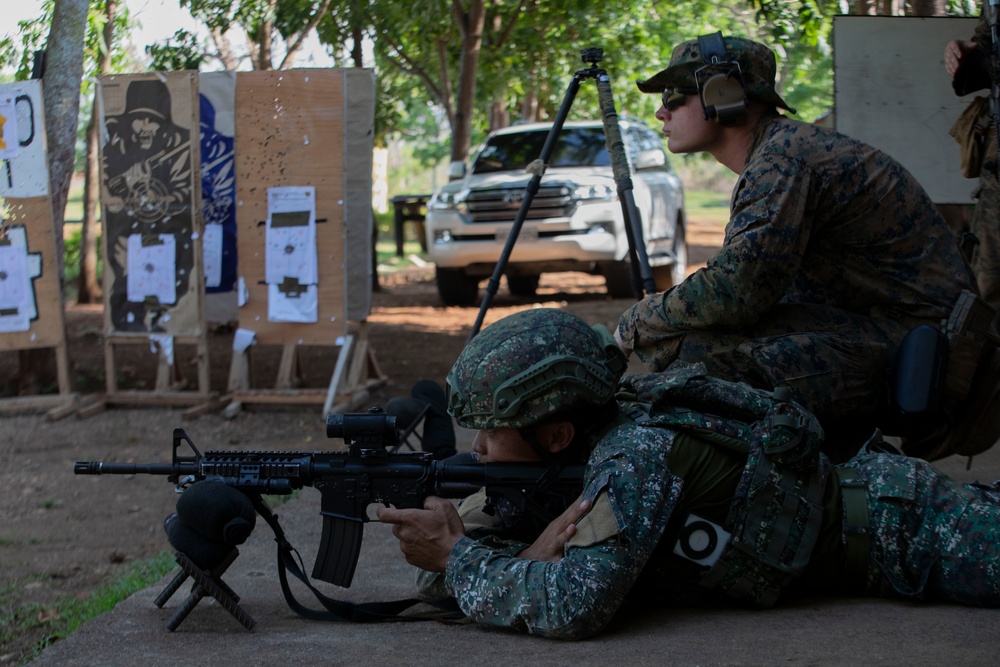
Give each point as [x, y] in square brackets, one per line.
[307, 134]
[151, 200]
[35, 318]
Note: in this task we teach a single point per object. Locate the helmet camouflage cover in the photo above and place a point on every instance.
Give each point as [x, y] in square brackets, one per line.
[757, 64]
[530, 365]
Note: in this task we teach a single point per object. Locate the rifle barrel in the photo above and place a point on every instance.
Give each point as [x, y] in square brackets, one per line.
[102, 468]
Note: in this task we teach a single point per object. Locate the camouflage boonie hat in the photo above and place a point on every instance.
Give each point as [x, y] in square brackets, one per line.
[530, 365]
[756, 62]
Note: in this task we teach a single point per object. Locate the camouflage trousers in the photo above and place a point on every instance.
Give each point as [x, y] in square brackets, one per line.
[932, 538]
[986, 226]
[836, 362]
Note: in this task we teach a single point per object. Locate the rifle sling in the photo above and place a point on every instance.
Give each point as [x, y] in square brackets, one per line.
[289, 560]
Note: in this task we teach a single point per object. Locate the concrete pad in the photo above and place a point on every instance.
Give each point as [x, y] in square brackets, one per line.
[810, 631]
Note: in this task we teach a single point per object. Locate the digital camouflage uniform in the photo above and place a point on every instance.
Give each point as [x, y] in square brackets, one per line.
[931, 537]
[833, 252]
[974, 75]
[701, 490]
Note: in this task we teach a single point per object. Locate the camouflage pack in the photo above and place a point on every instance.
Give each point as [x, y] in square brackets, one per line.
[774, 518]
[731, 414]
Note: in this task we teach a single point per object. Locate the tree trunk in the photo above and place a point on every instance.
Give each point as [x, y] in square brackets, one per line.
[928, 7]
[499, 118]
[61, 91]
[357, 57]
[88, 288]
[470, 26]
[61, 97]
[264, 39]
[224, 49]
[529, 106]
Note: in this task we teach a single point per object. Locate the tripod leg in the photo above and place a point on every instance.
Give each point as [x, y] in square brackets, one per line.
[642, 274]
[529, 195]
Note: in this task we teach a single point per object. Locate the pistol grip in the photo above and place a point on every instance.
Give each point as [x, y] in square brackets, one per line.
[339, 549]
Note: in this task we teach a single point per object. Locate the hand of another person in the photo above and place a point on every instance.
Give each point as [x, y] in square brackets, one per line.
[550, 544]
[621, 343]
[954, 51]
[426, 536]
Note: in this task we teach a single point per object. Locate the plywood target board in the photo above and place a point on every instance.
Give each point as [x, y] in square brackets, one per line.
[151, 198]
[217, 93]
[301, 141]
[31, 305]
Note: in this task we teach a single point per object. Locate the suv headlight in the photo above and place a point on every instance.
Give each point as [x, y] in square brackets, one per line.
[602, 192]
[446, 200]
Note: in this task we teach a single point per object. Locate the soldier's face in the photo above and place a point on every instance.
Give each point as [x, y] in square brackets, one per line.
[144, 130]
[685, 127]
[505, 445]
[498, 445]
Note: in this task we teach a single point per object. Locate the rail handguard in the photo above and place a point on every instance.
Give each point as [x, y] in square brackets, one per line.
[370, 471]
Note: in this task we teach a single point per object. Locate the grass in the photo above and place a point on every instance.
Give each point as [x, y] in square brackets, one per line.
[59, 620]
[707, 205]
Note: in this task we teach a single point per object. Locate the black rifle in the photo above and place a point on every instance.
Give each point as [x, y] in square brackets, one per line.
[368, 472]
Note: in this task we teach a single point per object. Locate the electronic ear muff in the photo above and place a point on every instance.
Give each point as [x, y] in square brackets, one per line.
[720, 82]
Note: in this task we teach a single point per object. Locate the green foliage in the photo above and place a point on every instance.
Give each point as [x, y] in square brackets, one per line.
[180, 52]
[19, 52]
[286, 19]
[533, 48]
[71, 261]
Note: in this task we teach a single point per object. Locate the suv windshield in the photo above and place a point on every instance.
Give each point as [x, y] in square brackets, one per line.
[577, 147]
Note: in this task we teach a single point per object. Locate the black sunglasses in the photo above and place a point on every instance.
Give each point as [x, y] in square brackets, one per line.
[674, 98]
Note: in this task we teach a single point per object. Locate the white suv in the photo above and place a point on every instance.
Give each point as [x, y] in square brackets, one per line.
[575, 222]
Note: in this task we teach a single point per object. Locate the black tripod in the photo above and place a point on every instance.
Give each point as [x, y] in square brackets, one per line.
[642, 274]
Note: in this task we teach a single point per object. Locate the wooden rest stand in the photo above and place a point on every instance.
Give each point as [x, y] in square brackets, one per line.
[355, 375]
[55, 406]
[169, 389]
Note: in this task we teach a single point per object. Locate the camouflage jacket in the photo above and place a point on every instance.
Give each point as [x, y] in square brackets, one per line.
[816, 218]
[623, 544]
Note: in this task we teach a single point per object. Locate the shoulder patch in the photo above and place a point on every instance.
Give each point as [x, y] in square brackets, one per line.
[597, 525]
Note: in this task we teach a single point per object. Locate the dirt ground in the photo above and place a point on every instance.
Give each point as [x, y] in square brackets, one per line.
[64, 535]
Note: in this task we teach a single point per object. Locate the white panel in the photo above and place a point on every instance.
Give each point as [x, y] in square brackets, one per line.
[891, 91]
[24, 164]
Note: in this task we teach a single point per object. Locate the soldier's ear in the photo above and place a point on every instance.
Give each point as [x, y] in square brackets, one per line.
[555, 436]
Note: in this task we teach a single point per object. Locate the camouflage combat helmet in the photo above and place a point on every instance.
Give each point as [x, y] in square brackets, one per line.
[756, 61]
[530, 365]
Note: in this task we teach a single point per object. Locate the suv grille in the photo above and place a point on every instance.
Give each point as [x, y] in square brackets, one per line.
[502, 204]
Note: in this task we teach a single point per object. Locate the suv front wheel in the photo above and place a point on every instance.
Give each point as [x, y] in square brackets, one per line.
[455, 288]
[522, 285]
[618, 275]
[618, 279]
